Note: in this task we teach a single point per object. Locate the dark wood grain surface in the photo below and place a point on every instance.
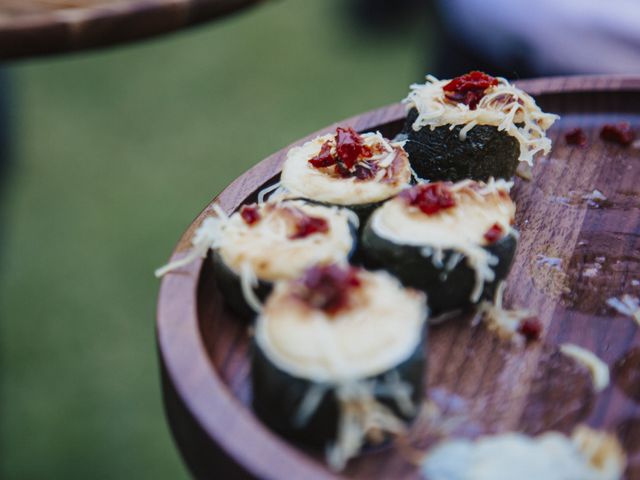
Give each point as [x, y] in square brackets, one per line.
[573, 255]
[44, 27]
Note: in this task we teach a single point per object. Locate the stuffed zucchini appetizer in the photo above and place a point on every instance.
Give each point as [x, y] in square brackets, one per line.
[453, 241]
[262, 243]
[474, 126]
[339, 359]
[346, 169]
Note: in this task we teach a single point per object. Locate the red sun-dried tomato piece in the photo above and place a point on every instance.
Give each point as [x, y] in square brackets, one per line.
[307, 225]
[342, 170]
[324, 158]
[576, 136]
[530, 328]
[350, 147]
[469, 88]
[250, 214]
[494, 233]
[430, 198]
[365, 172]
[328, 287]
[619, 133]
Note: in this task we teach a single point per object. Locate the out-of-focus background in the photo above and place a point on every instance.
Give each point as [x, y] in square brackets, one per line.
[113, 153]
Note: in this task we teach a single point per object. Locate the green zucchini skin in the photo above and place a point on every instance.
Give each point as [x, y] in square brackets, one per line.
[229, 284]
[439, 154]
[277, 396]
[445, 290]
[362, 210]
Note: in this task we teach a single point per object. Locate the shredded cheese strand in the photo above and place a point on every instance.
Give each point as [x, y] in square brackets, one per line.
[221, 232]
[249, 281]
[267, 190]
[478, 258]
[506, 107]
[602, 450]
[598, 369]
[363, 417]
[503, 321]
[310, 403]
[205, 237]
[627, 305]
[465, 130]
[400, 391]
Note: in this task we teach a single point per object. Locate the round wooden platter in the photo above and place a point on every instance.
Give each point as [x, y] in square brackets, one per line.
[575, 252]
[43, 27]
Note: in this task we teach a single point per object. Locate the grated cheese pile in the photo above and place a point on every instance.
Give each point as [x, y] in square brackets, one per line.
[264, 250]
[504, 106]
[460, 228]
[300, 179]
[208, 235]
[362, 417]
[586, 455]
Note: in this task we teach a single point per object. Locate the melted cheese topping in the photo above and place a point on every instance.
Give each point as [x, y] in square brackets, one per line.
[598, 369]
[460, 228]
[264, 250]
[300, 178]
[504, 106]
[588, 455]
[379, 331]
[266, 246]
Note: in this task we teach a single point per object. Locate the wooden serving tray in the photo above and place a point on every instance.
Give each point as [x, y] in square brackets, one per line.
[45, 27]
[573, 255]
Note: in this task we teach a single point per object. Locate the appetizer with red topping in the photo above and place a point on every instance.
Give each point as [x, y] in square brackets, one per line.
[271, 241]
[339, 360]
[454, 241]
[620, 133]
[474, 126]
[345, 168]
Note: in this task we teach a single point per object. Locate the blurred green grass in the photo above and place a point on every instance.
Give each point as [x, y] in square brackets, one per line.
[115, 152]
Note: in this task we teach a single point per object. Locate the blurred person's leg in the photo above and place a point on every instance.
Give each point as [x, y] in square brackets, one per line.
[454, 58]
[457, 54]
[453, 54]
[385, 14]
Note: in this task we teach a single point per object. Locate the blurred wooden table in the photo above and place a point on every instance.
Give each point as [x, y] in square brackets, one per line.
[44, 27]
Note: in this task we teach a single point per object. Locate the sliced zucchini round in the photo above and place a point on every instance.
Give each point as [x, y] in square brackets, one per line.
[229, 284]
[440, 154]
[444, 253]
[448, 283]
[278, 396]
[269, 253]
[473, 126]
[305, 356]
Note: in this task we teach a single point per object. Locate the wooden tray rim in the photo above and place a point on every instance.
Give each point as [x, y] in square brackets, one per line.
[56, 31]
[187, 363]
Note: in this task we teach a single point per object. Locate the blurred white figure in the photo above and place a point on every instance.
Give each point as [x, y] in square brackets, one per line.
[549, 36]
